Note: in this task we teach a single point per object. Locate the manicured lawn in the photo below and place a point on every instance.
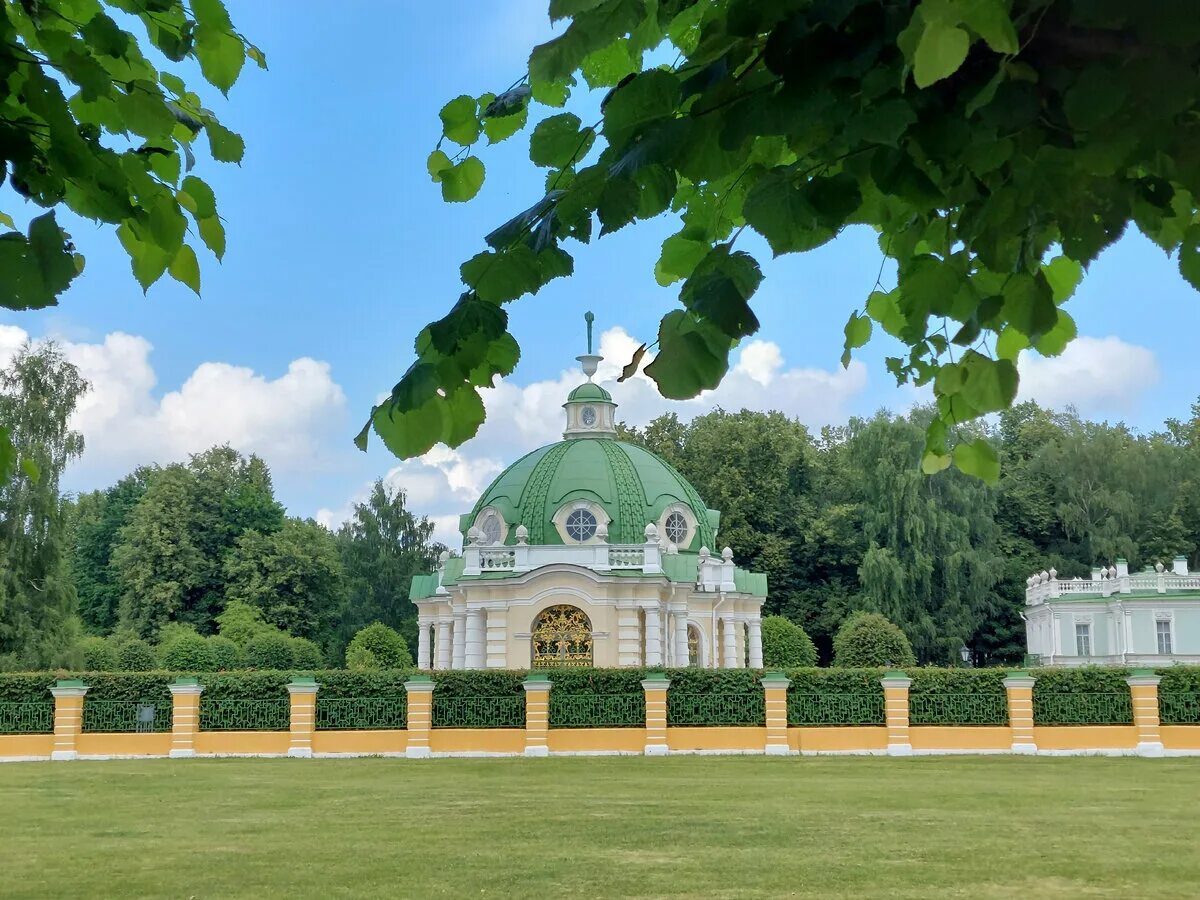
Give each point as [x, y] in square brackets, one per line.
[698, 827]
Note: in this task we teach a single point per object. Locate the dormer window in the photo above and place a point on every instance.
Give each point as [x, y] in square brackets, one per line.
[677, 525]
[581, 525]
[676, 528]
[492, 525]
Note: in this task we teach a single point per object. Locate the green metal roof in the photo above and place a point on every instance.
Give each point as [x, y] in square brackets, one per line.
[631, 484]
[589, 391]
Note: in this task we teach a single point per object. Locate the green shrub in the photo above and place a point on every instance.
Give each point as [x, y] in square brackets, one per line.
[99, 655]
[481, 683]
[187, 651]
[227, 655]
[957, 696]
[360, 659]
[386, 645]
[306, 654]
[840, 696]
[269, 650]
[869, 639]
[1088, 695]
[240, 622]
[786, 645]
[135, 655]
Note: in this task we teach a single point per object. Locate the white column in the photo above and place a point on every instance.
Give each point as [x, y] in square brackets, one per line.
[458, 646]
[443, 644]
[497, 640]
[654, 655]
[729, 644]
[474, 639]
[628, 637]
[681, 641]
[423, 656]
[756, 657]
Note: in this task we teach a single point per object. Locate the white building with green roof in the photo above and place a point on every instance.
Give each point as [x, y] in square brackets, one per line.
[589, 552]
[1150, 618]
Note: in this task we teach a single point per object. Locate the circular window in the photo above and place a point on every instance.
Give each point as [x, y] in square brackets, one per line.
[581, 525]
[676, 528]
[589, 416]
[491, 528]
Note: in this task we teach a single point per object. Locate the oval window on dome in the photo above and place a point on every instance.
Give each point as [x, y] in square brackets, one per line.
[581, 525]
[490, 526]
[676, 528]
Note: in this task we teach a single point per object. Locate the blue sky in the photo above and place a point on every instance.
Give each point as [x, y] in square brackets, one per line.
[341, 249]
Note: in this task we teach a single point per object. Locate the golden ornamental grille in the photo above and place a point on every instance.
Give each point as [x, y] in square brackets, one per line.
[562, 636]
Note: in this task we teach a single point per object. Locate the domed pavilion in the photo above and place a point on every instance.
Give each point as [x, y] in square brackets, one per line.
[589, 552]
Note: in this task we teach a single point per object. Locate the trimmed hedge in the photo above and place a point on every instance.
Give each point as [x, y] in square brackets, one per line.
[957, 697]
[841, 696]
[1089, 695]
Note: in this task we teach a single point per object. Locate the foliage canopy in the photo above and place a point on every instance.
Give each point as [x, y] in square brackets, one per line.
[996, 146]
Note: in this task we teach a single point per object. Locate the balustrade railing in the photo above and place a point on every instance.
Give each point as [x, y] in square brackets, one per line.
[835, 709]
[1177, 708]
[478, 712]
[245, 715]
[27, 718]
[1110, 708]
[362, 713]
[111, 716]
[626, 557]
[957, 709]
[715, 709]
[597, 710]
[492, 560]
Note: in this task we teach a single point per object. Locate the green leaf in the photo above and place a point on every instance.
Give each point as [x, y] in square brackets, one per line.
[1095, 97]
[979, 459]
[933, 462]
[197, 198]
[858, 332]
[185, 268]
[212, 232]
[558, 141]
[221, 56]
[561, 9]
[8, 456]
[1029, 304]
[6, 219]
[987, 385]
[500, 276]
[1010, 343]
[608, 65]
[940, 52]
[1055, 341]
[990, 20]
[499, 128]
[226, 145]
[1189, 256]
[149, 261]
[693, 356]
[645, 98]
[463, 181]
[31, 470]
[460, 123]
[799, 217]
[635, 362]
[618, 204]
[720, 288]
[437, 163]
[552, 93]
[680, 256]
[881, 123]
[103, 35]
[597, 27]
[1063, 274]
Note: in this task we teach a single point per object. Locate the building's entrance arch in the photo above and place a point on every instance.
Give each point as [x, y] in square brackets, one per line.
[697, 657]
[561, 637]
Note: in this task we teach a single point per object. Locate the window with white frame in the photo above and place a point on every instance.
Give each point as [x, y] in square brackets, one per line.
[581, 525]
[676, 528]
[492, 526]
[1083, 639]
[1162, 631]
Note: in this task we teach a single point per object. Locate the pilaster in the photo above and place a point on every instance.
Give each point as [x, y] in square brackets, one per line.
[775, 686]
[185, 716]
[68, 717]
[419, 689]
[895, 705]
[656, 685]
[537, 714]
[1018, 688]
[458, 652]
[496, 629]
[302, 692]
[1143, 685]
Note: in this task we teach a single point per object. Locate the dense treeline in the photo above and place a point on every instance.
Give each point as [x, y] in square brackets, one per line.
[844, 519]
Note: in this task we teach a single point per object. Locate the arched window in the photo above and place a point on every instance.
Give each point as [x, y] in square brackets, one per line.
[676, 528]
[581, 525]
[562, 637]
[695, 647]
[490, 526]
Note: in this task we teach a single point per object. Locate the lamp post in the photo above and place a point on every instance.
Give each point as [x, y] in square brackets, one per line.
[965, 652]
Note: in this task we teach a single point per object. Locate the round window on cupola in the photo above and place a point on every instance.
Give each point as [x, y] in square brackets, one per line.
[677, 524]
[581, 522]
[492, 525]
[581, 525]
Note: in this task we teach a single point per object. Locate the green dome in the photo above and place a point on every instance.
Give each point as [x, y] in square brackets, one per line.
[589, 391]
[633, 486]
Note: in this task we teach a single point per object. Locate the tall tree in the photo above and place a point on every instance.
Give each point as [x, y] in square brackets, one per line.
[383, 545]
[38, 392]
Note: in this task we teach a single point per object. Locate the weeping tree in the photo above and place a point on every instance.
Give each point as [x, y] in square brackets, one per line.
[997, 147]
[38, 392]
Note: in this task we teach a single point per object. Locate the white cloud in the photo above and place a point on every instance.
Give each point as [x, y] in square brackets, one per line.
[287, 420]
[1095, 375]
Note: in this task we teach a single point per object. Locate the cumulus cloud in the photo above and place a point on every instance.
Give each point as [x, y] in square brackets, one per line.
[1097, 376]
[444, 483]
[287, 420]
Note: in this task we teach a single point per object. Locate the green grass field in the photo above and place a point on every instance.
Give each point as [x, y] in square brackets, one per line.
[602, 827]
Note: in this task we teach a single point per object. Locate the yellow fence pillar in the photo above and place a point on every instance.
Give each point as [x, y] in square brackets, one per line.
[656, 685]
[775, 686]
[68, 717]
[1018, 687]
[420, 715]
[1143, 685]
[895, 707]
[303, 719]
[537, 714]
[185, 716]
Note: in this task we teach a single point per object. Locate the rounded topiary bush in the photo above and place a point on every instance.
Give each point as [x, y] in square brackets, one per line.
[385, 644]
[869, 639]
[271, 650]
[226, 654]
[135, 655]
[187, 652]
[99, 655]
[786, 645]
[306, 654]
[360, 659]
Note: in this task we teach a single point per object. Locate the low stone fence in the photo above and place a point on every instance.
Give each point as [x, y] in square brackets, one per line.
[939, 712]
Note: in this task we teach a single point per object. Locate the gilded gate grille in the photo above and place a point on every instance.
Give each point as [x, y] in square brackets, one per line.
[562, 638]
